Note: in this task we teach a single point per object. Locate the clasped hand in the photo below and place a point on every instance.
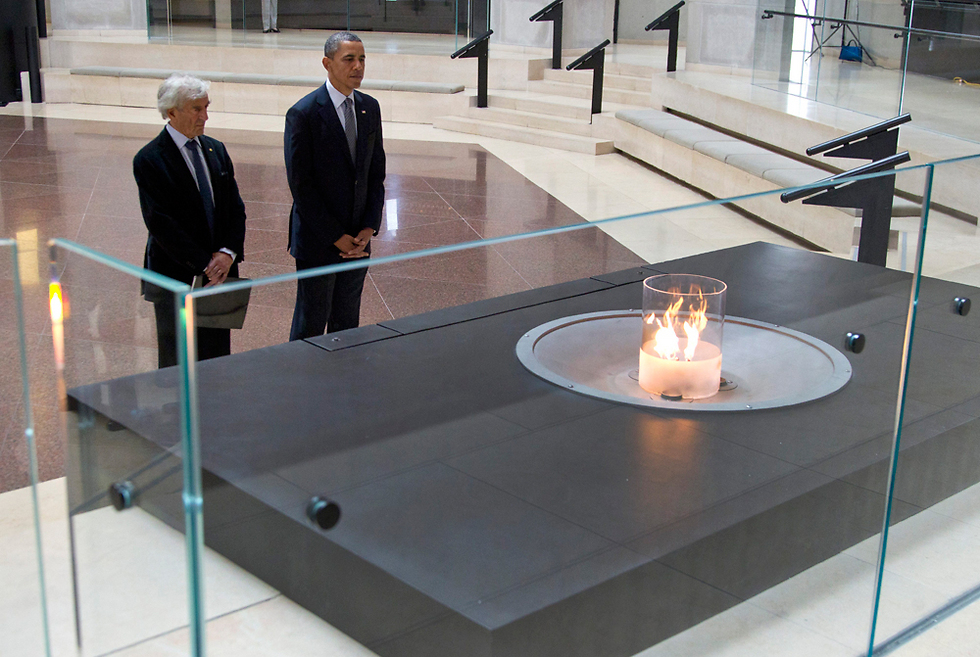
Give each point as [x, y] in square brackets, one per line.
[353, 246]
[217, 270]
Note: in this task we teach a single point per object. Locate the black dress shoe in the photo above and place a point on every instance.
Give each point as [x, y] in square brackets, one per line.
[276, 30]
[266, 31]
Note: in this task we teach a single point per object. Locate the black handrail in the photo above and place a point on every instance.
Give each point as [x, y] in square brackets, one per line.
[594, 59]
[581, 61]
[465, 50]
[479, 48]
[860, 134]
[541, 14]
[844, 177]
[670, 21]
[769, 13]
[553, 12]
[655, 23]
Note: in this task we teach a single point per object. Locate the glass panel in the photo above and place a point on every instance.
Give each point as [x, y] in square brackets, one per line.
[941, 89]
[491, 473]
[23, 609]
[129, 568]
[400, 26]
[803, 57]
[930, 569]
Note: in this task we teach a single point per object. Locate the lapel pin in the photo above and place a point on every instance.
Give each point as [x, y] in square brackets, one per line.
[363, 111]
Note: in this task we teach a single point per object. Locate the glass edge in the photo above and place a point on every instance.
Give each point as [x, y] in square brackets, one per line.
[29, 437]
[545, 232]
[900, 407]
[124, 267]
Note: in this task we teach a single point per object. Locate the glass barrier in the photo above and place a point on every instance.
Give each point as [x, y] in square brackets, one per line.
[942, 86]
[126, 493]
[403, 25]
[493, 473]
[873, 65]
[23, 606]
[478, 464]
[801, 57]
[929, 570]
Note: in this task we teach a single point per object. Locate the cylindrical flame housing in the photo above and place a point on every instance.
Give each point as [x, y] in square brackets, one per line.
[683, 321]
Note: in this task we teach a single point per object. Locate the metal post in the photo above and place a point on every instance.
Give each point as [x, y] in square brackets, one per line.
[483, 74]
[34, 65]
[597, 83]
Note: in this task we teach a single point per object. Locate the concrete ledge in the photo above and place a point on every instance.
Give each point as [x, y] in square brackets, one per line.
[264, 78]
[825, 227]
[705, 158]
[107, 86]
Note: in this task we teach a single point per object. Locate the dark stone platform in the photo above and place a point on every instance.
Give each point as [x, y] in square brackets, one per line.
[489, 513]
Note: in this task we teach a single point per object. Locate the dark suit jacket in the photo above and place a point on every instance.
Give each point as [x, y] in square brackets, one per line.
[333, 195]
[179, 244]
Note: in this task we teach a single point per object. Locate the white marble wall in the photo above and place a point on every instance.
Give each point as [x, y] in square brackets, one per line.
[586, 23]
[722, 32]
[98, 15]
[634, 15]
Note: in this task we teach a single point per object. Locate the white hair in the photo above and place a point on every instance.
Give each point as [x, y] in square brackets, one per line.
[177, 90]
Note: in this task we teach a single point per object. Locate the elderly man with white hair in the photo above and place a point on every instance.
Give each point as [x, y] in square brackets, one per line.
[192, 209]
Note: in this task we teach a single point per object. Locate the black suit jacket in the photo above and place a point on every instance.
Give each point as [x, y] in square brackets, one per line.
[179, 244]
[333, 195]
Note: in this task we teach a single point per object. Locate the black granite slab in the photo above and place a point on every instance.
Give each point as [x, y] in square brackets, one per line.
[487, 512]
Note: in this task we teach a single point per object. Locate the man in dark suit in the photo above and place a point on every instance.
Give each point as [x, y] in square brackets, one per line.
[192, 210]
[335, 164]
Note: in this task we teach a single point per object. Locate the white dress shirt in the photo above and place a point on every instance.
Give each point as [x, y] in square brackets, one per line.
[181, 140]
[338, 103]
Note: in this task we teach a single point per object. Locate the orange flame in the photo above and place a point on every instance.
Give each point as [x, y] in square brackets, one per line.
[666, 340]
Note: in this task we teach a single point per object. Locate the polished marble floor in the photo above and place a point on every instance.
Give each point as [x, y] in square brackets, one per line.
[58, 180]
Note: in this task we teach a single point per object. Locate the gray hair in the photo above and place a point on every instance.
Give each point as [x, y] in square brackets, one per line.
[332, 45]
[177, 90]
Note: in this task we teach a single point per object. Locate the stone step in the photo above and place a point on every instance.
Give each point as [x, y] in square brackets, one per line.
[635, 70]
[572, 90]
[536, 136]
[560, 107]
[610, 80]
[541, 121]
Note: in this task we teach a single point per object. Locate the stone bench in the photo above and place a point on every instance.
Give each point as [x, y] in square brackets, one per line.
[704, 157]
[263, 78]
[247, 93]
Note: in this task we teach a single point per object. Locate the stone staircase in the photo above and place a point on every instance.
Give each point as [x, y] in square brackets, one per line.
[555, 111]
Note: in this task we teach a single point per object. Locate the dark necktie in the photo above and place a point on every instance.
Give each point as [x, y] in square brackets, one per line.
[350, 127]
[202, 183]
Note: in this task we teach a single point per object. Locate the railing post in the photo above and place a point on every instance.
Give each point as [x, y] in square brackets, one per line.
[479, 48]
[873, 196]
[670, 21]
[595, 60]
[553, 13]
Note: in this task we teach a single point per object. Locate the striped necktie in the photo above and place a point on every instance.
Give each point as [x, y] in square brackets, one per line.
[350, 127]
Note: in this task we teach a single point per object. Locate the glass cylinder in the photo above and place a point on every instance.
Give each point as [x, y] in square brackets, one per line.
[683, 322]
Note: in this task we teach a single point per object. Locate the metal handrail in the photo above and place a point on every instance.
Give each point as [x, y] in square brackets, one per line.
[479, 48]
[769, 13]
[664, 16]
[472, 44]
[670, 20]
[536, 17]
[841, 178]
[553, 12]
[578, 63]
[859, 134]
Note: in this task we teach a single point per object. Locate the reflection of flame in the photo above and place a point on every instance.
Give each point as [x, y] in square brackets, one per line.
[57, 310]
[666, 341]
